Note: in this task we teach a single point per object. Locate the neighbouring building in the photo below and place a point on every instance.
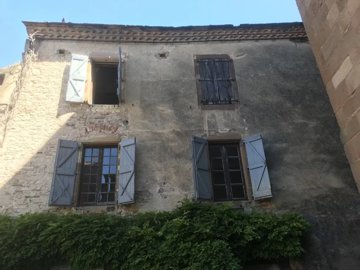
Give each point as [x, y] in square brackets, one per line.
[135, 118]
[333, 27]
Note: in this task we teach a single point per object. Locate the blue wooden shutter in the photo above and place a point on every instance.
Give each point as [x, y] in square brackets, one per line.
[118, 90]
[259, 174]
[201, 169]
[62, 187]
[126, 189]
[77, 78]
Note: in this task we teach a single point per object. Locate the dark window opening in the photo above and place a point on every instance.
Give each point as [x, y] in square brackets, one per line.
[216, 80]
[105, 83]
[2, 77]
[226, 171]
[98, 175]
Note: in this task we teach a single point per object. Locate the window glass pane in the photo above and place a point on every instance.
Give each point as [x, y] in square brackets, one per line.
[94, 179]
[114, 151]
[103, 197]
[106, 152]
[218, 177]
[112, 169]
[84, 188]
[86, 169]
[94, 169]
[87, 160]
[88, 152]
[113, 160]
[95, 152]
[220, 193]
[86, 178]
[92, 188]
[105, 169]
[231, 150]
[216, 164]
[91, 198]
[112, 178]
[215, 151]
[95, 160]
[112, 187]
[235, 177]
[234, 163]
[106, 160]
[105, 188]
[111, 197]
[238, 192]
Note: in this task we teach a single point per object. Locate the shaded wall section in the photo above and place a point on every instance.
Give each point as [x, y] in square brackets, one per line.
[333, 28]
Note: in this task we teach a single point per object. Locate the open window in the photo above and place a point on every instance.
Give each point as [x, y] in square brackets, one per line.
[104, 83]
[94, 81]
[107, 174]
[218, 169]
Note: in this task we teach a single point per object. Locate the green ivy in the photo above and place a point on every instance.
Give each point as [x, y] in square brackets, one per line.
[195, 236]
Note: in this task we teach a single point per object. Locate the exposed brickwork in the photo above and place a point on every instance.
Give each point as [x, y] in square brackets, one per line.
[333, 27]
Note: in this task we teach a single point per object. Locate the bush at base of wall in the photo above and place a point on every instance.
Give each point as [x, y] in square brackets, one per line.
[193, 236]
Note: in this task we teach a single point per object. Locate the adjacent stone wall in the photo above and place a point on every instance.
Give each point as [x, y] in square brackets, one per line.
[333, 27]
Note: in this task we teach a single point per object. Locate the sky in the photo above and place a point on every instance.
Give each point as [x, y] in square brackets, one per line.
[133, 12]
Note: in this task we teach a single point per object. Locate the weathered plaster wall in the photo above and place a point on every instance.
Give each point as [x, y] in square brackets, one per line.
[333, 27]
[281, 96]
[7, 91]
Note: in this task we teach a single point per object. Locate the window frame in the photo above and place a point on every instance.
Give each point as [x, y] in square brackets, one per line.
[242, 163]
[91, 78]
[77, 193]
[234, 87]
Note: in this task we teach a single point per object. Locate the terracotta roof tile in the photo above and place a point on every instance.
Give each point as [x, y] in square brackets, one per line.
[152, 34]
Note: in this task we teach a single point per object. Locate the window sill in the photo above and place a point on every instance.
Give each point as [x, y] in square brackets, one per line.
[231, 106]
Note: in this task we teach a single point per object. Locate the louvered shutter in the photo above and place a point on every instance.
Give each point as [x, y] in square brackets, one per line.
[259, 174]
[63, 182]
[223, 80]
[208, 89]
[201, 169]
[126, 189]
[77, 78]
[118, 90]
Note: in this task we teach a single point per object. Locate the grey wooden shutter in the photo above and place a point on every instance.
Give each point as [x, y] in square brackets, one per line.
[63, 182]
[118, 90]
[126, 189]
[222, 77]
[77, 78]
[259, 174]
[201, 169]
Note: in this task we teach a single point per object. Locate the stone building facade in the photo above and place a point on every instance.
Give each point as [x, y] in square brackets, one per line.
[333, 27]
[218, 113]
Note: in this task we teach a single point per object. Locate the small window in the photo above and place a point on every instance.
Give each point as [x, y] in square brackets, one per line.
[98, 175]
[226, 171]
[94, 81]
[215, 79]
[105, 83]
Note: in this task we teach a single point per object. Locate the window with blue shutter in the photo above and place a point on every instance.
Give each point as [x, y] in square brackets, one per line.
[126, 188]
[215, 79]
[201, 169]
[218, 169]
[77, 78]
[259, 175]
[62, 187]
